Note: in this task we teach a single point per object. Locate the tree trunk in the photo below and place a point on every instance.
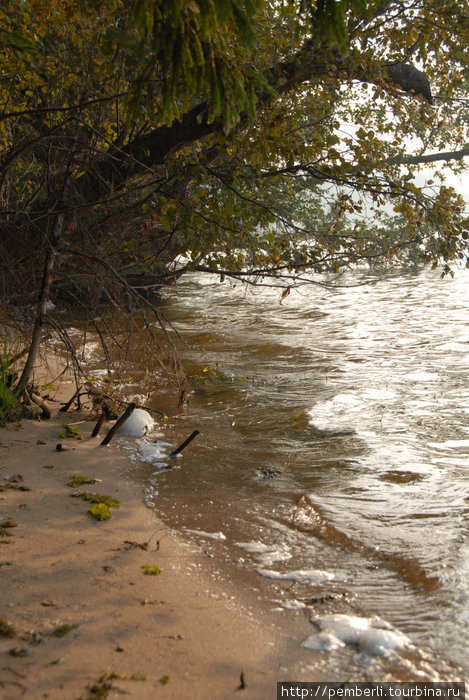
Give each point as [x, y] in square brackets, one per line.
[41, 312]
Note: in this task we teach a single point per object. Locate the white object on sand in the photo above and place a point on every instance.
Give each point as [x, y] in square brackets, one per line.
[137, 424]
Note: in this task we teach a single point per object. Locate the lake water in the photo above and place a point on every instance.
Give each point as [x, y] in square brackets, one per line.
[333, 460]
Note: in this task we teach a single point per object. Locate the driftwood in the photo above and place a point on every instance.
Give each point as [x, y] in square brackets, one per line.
[29, 403]
[39, 401]
[179, 449]
[128, 412]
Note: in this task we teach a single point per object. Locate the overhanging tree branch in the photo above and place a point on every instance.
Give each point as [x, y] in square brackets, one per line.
[429, 158]
[153, 148]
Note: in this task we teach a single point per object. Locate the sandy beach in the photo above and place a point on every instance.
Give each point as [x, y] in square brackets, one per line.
[82, 615]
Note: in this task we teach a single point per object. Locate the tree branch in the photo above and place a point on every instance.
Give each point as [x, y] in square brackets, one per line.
[430, 158]
[153, 148]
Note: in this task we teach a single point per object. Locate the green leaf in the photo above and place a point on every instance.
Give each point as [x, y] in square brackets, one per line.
[17, 42]
[100, 511]
[151, 570]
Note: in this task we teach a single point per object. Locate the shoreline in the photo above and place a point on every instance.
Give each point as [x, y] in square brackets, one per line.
[84, 616]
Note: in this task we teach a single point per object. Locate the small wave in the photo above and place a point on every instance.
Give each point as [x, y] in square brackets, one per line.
[220, 536]
[307, 576]
[449, 444]
[264, 553]
[153, 452]
[454, 346]
[346, 410]
[421, 376]
[291, 604]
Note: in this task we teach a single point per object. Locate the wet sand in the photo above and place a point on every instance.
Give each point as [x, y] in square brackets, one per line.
[84, 618]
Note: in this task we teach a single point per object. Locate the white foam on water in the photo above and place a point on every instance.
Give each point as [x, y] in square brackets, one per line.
[455, 347]
[264, 553]
[153, 452]
[254, 547]
[307, 576]
[346, 410]
[449, 444]
[336, 412]
[97, 373]
[137, 398]
[208, 535]
[138, 424]
[421, 376]
[88, 351]
[322, 642]
[269, 558]
[379, 394]
[291, 604]
[347, 628]
[371, 636]
[379, 642]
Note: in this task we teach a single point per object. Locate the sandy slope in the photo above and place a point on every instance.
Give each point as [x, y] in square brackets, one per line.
[60, 567]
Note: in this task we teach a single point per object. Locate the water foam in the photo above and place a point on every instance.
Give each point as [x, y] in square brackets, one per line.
[220, 536]
[264, 553]
[308, 576]
[345, 410]
[373, 637]
[153, 452]
[449, 444]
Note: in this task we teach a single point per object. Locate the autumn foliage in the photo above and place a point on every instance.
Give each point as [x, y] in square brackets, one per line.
[140, 139]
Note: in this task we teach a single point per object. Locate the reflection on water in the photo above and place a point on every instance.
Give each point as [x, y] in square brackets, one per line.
[335, 433]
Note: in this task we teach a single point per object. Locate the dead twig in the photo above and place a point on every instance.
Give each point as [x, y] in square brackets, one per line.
[65, 408]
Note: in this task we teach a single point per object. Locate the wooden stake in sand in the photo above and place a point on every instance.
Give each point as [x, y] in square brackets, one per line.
[104, 416]
[179, 449]
[127, 413]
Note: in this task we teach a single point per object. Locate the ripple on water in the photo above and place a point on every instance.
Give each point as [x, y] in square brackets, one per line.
[305, 576]
[334, 435]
